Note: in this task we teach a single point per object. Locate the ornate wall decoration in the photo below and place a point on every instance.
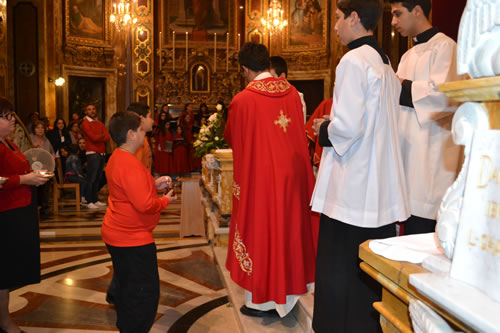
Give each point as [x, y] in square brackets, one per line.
[142, 52]
[88, 56]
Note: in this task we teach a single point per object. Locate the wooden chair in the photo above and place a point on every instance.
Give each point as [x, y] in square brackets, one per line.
[60, 185]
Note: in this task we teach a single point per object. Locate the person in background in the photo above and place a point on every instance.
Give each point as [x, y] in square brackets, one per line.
[96, 135]
[32, 118]
[82, 153]
[127, 229]
[59, 137]
[279, 69]
[360, 188]
[164, 148]
[74, 132]
[46, 123]
[180, 162]
[323, 110]
[63, 155]
[39, 139]
[75, 117]
[144, 153]
[430, 157]
[74, 173]
[20, 237]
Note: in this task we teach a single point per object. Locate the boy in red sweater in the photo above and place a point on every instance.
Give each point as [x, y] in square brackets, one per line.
[133, 212]
[96, 135]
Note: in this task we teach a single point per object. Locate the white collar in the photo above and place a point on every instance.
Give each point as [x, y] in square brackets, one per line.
[262, 76]
[90, 119]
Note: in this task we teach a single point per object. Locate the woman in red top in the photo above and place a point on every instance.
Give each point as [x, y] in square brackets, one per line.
[181, 162]
[164, 148]
[133, 212]
[19, 239]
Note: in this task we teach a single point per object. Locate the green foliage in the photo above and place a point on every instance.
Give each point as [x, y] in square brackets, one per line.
[210, 136]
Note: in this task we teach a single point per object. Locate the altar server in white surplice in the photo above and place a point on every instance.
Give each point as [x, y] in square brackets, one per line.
[360, 189]
[429, 155]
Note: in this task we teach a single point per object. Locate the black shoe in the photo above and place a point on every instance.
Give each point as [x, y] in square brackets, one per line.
[258, 313]
[110, 299]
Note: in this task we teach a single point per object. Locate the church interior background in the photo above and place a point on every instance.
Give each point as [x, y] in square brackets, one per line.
[172, 52]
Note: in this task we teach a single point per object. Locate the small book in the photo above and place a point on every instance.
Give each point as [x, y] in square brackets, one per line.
[168, 146]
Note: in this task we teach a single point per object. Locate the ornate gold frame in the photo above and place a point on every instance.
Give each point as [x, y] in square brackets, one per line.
[166, 41]
[209, 74]
[106, 41]
[288, 34]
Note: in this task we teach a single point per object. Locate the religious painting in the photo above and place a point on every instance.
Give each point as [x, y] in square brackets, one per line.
[201, 19]
[200, 78]
[86, 90]
[307, 24]
[87, 22]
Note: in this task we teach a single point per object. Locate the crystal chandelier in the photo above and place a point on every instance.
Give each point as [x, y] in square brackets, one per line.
[121, 15]
[275, 15]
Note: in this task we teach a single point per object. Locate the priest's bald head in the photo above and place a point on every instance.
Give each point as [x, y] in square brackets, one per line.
[253, 59]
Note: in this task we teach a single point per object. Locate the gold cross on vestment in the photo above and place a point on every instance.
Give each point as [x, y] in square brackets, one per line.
[283, 121]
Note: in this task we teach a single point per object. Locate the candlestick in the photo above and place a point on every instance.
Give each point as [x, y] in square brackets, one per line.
[173, 51]
[160, 49]
[238, 46]
[215, 52]
[227, 52]
[187, 36]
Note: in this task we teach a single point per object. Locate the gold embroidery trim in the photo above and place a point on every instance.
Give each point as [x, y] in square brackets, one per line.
[236, 191]
[283, 121]
[270, 86]
[240, 250]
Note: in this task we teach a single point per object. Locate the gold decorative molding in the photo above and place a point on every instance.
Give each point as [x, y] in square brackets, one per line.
[88, 56]
[321, 74]
[476, 90]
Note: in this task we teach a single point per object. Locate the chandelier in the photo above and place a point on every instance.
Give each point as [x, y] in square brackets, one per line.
[121, 15]
[275, 15]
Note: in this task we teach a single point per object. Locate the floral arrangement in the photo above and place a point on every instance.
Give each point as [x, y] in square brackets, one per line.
[211, 134]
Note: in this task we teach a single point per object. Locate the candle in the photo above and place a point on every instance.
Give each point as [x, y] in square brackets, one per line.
[187, 36]
[227, 52]
[173, 50]
[215, 52]
[159, 42]
[238, 46]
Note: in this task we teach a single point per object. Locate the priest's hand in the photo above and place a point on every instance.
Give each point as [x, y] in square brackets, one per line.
[400, 79]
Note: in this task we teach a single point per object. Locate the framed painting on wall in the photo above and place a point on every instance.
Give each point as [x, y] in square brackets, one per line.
[201, 19]
[87, 22]
[307, 25]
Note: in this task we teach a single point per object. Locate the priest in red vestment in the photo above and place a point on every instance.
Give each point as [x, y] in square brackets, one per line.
[271, 242]
[323, 109]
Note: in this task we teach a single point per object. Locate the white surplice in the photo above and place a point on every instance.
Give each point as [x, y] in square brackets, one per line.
[361, 179]
[429, 155]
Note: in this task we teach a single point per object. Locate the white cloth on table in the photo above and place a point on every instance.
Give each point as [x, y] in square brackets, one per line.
[411, 248]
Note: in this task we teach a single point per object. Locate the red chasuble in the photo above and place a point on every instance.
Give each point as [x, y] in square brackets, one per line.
[324, 109]
[271, 241]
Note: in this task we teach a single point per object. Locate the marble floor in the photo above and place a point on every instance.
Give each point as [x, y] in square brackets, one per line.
[195, 289]
[77, 269]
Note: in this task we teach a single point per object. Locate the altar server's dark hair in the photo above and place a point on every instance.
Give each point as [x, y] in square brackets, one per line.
[369, 11]
[410, 4]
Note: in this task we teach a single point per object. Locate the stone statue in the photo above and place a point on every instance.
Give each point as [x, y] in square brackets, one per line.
[479, 33]
[469, 117]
